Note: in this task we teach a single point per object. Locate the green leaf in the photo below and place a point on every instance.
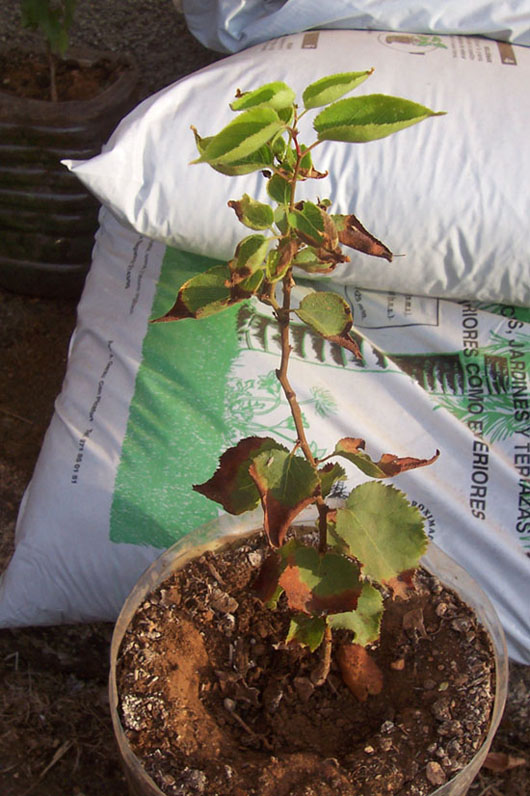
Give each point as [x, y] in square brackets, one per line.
[319, 583]
[352, 449]
[249, 257]
[54, 21]
[286, 484]
[252, 213]
[249, 286]
[309, 223]
[280, 219]
[261, 159]
[383, 531]
[231, 484]
[308, 260]
[279, 145]
[280, 259]
[362, 119]
[331, 317]
[388, 466]
[278, 95]
[242, 137]
[365, 621]
[308, 631]
[286, 115]
[279, 189]
[202, 295]
[329, 475]
[331, 88]
[327, 313]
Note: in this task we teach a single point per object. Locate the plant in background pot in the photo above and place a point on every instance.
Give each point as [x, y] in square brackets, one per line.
[54, 103]
[302, 659]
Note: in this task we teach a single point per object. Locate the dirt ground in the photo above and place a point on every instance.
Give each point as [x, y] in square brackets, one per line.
[55, 730]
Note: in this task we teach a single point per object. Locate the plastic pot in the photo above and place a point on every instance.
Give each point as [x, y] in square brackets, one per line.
[229, 531]
[47, 219]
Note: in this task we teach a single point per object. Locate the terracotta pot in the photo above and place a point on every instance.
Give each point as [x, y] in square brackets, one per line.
[229, 531]
[47, 219]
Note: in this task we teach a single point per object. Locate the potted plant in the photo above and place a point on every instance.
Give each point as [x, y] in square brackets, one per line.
[54, 103]
[302, 659]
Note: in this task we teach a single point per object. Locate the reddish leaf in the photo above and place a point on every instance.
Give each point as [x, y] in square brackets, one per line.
[278, 516]
[319, 584]
[500, 761]
[231, 484]
[359, 671]
[268, 577]
[353, 234]
[286, 485]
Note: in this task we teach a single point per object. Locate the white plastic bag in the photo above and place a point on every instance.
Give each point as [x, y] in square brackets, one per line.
[227, 26]
[449, 194]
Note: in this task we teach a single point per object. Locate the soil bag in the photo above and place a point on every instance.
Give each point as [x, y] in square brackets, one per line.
[448, 194]
[146, 410]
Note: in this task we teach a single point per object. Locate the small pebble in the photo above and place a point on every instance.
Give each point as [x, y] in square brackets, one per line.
[435, 773]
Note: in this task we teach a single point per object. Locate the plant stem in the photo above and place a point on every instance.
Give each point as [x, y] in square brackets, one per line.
[283, 317]
[53, 72]
[320, 674]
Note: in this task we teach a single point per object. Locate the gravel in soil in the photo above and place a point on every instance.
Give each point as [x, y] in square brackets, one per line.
[209, 688]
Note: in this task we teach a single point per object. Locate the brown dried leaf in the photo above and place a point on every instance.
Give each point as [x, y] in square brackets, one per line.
[413, 622]
[286, 252]
[500, 761]
[332, 256]
[353, 234]
[402, 584]
[393, 465]
[359, 671]
[346, 341]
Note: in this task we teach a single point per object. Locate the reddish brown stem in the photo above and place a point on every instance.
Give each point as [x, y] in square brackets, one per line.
[283, 316]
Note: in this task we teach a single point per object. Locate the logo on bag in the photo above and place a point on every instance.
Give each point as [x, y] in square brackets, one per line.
[412, 43]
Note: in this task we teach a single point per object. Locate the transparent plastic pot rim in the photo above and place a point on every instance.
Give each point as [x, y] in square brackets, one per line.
[223, 532]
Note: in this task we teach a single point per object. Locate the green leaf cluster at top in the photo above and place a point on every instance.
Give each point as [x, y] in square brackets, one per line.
[53, 18]
[268, 112]
[265, 136]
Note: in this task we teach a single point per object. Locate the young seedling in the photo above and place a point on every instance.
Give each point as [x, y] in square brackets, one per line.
[53, 18]
[373, 543]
